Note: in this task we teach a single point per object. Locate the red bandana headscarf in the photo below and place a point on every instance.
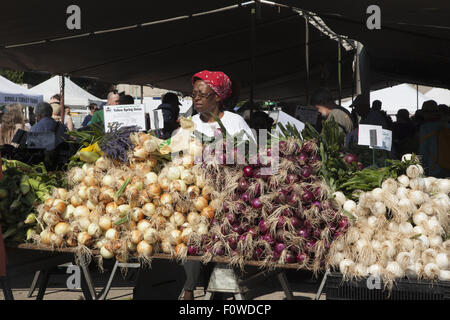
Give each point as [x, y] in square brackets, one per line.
[216, 80]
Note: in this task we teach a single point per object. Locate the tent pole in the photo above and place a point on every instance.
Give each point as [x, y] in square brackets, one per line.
[307, 57]
[339, 71]
[142, 94]
[252, 64]
[417, 89]
[61, 92]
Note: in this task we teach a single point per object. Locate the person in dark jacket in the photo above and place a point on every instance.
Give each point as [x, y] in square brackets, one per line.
[92, 108]
[171, 110]
[45, 122]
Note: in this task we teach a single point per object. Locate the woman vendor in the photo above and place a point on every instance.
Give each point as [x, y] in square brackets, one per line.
[212, 93]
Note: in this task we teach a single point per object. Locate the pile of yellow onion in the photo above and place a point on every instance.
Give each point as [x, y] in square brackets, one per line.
[153, 213]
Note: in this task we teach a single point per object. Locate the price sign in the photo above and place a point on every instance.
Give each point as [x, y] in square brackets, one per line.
[369, 135]
[124, 116]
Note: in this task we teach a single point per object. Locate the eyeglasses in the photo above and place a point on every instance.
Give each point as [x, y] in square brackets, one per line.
[201, 95]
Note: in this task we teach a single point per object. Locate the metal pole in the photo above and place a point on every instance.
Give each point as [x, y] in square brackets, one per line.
[417, 90]
[307, 57]
[62, 85]
[253, 44]
[340, 71]
[142, 94]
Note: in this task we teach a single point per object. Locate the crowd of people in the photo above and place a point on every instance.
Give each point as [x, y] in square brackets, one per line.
[426, 133]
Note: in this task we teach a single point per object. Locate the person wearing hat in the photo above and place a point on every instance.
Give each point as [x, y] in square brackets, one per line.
[212, 93]
[434, 141]
[171, 110]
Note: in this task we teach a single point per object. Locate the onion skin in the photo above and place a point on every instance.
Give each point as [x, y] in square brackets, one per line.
[246, 197]
[256, 203]
[290, 258]
[307, 196]
[208, 212]
[344, 224]
[293, 199]
[279, 247]
[306, 172]
[232, 243]
[304, 233]
[192, 251]
[301, 257]
[263, 226]
[296, 223]
[243, 185]
[350, 158]
[269, 239]
[248, 172]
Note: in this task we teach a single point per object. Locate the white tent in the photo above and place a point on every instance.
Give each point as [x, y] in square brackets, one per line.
[402, 96]
[441, 96]
[285, 119]
[74, 96]
[11, 92]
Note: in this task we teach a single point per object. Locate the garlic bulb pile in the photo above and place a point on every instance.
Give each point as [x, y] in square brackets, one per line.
[153, 213]
[398, 230]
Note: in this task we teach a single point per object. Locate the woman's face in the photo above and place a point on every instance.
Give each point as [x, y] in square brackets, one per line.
[205, 99]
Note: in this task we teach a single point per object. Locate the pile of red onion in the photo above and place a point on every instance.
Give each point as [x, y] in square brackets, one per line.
[283, 218]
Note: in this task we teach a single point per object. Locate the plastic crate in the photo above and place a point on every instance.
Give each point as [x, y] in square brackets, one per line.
[404, 289]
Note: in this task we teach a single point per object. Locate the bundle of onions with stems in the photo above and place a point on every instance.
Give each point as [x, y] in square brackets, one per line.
[108, 207]
[188, 206]
[129, 209]
[275, 219]
[400, 230]
[101, 211]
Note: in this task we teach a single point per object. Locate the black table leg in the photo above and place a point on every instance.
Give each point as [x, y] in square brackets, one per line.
[86, 284]
[43, 282]
[7, 292]
[33, 284]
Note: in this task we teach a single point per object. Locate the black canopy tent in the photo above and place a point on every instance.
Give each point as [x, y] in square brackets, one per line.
[151, 51]
[167, 54]
[413, 44]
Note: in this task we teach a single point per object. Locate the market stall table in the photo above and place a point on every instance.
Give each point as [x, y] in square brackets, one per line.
[45, 260]
[228, 281]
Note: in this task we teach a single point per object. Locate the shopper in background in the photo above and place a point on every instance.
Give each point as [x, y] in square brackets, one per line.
[68, 121]
[434, 141]
[324, 102]
[45, 123]
[12, 120]
[404, 134]
[55, 103]
[125, 99]
[55, 99]
[99, 115]
[418, 119]
[370, 116]
[171, 110]
[92, 108]
[376, 105]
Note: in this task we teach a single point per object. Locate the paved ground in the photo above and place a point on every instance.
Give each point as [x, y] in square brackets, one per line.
[303, 285]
